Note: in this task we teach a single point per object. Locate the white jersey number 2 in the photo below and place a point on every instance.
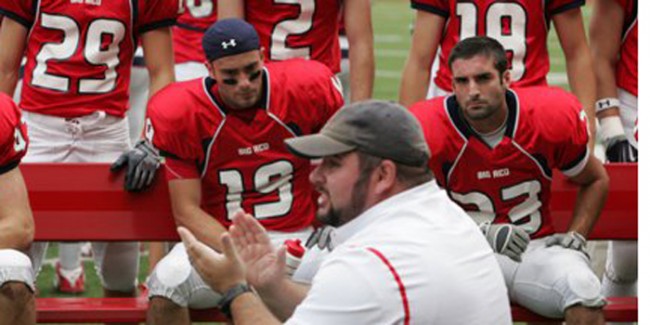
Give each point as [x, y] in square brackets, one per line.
[300, 25]
[95, 52]
[513, 40]
[530, 207]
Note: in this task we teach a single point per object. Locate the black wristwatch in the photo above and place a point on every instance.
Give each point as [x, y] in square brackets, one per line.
[230, 295]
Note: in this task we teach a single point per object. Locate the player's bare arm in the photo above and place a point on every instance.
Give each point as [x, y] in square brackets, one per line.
[230, 9]
[416, 77]
[358, 28]
[594, 185]
[159, 58]
[580, 71]
[605, 41]
[16, 223]
[11, 32]
[185, 197]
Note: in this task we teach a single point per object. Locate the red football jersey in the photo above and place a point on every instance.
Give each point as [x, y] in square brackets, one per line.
[79, 52]
[521, 26]
[298, 29]
[627, 65]
[240, 156]
[13, 134]
[510, 183]
[192, 24]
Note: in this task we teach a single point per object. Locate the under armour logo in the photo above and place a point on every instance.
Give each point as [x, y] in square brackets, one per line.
[601, 104]
[232, 43]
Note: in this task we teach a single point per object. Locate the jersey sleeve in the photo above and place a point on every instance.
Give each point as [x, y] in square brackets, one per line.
[21, 11]
[313, 88]
[157, 14]
[436, 7]
[174, 133]
[431, 127]
[567, 133]
[13, 135]
[560, 6]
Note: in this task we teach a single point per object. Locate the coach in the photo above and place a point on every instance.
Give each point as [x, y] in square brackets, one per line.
[404, 253]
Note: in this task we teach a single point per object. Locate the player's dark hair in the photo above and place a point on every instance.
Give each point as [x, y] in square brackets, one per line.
[480, 45]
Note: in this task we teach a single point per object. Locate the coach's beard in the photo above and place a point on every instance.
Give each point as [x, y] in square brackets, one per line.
[338, 217]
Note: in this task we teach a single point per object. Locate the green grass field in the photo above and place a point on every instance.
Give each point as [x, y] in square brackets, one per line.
[391, 19]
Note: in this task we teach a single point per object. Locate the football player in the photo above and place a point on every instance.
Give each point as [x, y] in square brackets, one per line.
[222, 137]
[493, 149]
[16, 222]
[310, 29]
[188, 33]
[75, 92]
[614, 43]
[521, 26]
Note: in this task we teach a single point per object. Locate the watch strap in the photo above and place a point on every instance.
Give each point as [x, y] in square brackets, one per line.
[230, 295]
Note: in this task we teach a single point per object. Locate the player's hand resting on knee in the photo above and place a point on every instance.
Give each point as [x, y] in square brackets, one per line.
[571, 240]
[141, 162]
[506, 239]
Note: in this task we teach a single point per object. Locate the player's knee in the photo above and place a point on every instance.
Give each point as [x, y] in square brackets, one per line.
[16, 268]
[169, 280]
[17, 293]
[582, 287]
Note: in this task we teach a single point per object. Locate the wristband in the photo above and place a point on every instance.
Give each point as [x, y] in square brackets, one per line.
[611, 127]
[230, 295]
[607, 103]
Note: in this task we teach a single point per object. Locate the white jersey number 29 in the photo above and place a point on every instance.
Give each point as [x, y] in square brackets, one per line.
[267, 179]
[300, 25]
[514, 41]
[95, 52]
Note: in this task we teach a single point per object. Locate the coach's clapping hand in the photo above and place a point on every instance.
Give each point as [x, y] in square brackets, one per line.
[142, 162]
[507, 239]
[265, 266]
[220, 271]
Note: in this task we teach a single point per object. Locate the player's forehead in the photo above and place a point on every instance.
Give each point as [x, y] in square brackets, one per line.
[475, 65]
[242, 61]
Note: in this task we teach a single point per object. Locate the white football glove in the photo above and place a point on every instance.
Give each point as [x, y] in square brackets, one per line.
[571, 240]
[507, 239]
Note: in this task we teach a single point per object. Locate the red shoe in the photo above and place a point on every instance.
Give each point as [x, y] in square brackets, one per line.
[69, 281]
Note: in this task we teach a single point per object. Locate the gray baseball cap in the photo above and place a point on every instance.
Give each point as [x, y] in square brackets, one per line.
[379, 128]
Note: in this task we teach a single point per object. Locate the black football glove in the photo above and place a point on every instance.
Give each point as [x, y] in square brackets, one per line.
[620, 150]
[142, 162]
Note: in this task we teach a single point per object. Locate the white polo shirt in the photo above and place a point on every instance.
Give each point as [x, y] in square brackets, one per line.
[415, 258]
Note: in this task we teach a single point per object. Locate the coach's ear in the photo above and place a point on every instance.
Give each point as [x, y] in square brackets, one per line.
[384, 178]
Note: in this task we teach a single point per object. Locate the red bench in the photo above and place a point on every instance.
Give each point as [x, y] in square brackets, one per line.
[90, 198]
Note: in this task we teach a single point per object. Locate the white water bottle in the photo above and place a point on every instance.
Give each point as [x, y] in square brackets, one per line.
[295, 251]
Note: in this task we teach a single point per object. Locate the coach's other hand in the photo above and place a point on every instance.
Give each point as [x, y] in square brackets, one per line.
[142, 162]
[506, 239]
[220, 271]
[571, 240]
